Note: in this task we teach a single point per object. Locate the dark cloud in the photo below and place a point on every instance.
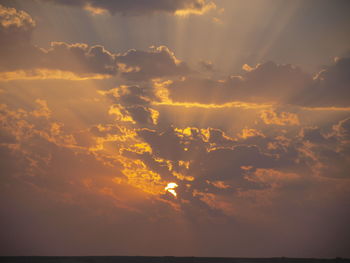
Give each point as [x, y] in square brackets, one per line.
[313, 135]
[80, 58]
[194, 89]
[141, 114]
[156, 63]
[218, 137]
[218, 157]
[15, 26]
[330, 87]
[135, 102]
[135, 95]
[271, 83]
[267, 82]
[165, 144]
[41, 150]
[229, 165]
[342, 130]
[140, 7]
[37, 168]
[206, 65]
[329, 150]
[251, 161]
[17, 51]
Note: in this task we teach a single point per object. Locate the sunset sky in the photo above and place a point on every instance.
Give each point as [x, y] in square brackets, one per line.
[175, 127]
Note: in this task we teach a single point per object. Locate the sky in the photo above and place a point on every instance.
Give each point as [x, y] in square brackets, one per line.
[175, 128]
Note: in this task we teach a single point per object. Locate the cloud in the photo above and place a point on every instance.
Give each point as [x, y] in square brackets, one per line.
[218, 137]
[133, 104]
[15, 35]
[43, 169]
[99, 153]
[274, 177]
[273, 82]
[268, 82]
[328, 152]
[15, 25]
[18, 53]
[213, 156]
[228, 165]
[139, 7]
[206, 65]
[23, 60]
[40, 151]
[166, 145]
[225, 177]
[330, 87]
[279, 118]
[80, 58]
[342, 130]
[202, 90]
[313, 135]
[145, 65]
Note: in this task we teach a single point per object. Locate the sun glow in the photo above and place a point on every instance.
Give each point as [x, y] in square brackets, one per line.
[171, 188]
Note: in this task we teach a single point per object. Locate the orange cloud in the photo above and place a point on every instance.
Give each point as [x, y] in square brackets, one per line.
[246, 133]
[10, 17]
[198, 7]
[281, 118]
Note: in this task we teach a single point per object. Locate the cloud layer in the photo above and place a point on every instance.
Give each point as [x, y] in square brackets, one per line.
[139, 7]
[90, 139]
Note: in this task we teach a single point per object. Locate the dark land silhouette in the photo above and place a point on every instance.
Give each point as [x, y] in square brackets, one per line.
[140, 259]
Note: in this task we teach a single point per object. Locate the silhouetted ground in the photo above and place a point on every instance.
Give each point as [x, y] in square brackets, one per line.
[164, 260]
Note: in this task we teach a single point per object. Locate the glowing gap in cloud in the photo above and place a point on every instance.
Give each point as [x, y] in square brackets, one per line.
[234, 104]
[37, 74]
